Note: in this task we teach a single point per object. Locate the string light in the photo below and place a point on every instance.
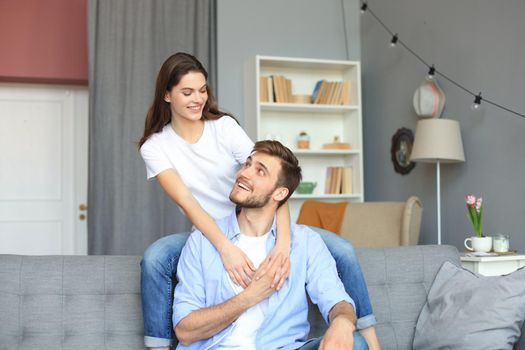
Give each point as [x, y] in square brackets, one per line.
[395, 39]
[477, 102]
[431, 73]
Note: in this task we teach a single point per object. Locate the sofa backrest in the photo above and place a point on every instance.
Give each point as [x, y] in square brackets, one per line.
[70, 302]
[93, 302]
[398, 281]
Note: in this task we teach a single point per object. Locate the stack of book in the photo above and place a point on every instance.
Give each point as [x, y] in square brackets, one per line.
[275, 88]
[331, 92]
[338, 180]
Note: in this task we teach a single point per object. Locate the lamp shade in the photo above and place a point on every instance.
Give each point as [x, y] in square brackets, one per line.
[437, 140]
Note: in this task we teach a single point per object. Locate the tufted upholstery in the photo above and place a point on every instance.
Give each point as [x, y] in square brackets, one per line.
[398, 280]
[92, 302]
[70, 302]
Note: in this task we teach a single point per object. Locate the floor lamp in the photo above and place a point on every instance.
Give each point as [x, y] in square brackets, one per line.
[438, 141]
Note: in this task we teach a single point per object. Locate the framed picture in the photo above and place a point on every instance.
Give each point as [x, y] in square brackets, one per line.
[402, 142]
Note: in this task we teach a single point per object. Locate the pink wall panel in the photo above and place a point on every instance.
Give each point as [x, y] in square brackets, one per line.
[43, 41]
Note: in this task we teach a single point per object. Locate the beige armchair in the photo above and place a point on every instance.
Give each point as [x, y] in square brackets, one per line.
[382, 224]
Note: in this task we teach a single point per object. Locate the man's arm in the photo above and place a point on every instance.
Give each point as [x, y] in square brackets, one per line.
[322, 280]
[206, 322]
[342, 325]
[343, 310]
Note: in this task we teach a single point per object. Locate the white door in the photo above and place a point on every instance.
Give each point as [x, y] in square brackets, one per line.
[43, 169]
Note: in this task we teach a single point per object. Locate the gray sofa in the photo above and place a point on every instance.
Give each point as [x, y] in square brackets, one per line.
[93, 302]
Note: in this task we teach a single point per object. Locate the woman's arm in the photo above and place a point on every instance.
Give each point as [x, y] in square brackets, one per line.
[238, 265]
[281, 251]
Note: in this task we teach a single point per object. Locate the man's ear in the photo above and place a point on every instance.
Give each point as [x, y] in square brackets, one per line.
[280, 193]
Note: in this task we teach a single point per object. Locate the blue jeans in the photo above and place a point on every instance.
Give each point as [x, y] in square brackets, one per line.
[159, 264]
[359, 343]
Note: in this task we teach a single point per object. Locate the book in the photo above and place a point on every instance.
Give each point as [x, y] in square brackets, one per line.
[339, 181]
[277, 89]
[338, 94]
[331, 95]
[271, 96]
[328, 92]
[288, 90]
[316, 90]
[347, 180]
[281, 88]
[345, 93]
[333, 181]
[263, 89]
[322, 92]
[328, 180]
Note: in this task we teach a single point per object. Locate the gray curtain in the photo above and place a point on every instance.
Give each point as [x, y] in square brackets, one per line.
[128, 41]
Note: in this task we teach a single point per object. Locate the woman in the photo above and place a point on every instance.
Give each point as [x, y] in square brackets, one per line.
[194, 151]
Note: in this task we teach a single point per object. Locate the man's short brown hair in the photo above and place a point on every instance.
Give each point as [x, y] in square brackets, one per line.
[290, 174]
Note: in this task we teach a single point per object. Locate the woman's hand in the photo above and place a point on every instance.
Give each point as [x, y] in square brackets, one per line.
[281, 255]
[237, 264]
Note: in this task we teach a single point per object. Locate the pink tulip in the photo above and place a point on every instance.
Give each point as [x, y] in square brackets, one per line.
[470, 199]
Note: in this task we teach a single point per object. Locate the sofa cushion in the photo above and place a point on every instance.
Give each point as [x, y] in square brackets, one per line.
[70, 302]
[466, 311]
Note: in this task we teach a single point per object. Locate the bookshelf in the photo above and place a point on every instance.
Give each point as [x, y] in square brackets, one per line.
[322, 122]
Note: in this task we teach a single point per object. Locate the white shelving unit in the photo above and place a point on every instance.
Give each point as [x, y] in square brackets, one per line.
[284, 121]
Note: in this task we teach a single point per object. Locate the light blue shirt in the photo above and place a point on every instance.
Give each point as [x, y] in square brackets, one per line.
[203, 282]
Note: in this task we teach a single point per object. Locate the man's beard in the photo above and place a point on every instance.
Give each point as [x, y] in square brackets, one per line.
[252, 202]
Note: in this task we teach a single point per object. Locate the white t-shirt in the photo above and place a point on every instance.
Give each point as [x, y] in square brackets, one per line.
[244, 330]
[207, 167]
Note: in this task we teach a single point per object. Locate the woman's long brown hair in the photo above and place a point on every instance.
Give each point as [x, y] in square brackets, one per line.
[170, 74]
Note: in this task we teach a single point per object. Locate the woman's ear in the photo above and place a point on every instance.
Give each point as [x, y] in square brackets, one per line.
[167, 97]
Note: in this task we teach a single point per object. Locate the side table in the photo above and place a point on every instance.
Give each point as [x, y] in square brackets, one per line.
[493, 265]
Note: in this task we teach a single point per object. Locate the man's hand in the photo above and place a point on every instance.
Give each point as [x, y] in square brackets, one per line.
[262, 288]
[239, 266]
[339, 335]
[342, 326]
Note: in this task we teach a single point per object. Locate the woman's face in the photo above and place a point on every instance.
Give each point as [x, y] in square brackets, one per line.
[188, 97]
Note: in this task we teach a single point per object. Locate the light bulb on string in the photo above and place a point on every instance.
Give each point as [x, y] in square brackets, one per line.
[394, 40]
[477, 102]
[476, 105]
[431, 73]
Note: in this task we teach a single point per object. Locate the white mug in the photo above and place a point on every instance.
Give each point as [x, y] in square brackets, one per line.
[479, 244]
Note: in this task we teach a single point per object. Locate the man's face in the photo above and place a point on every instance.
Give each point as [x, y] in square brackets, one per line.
[256, 181]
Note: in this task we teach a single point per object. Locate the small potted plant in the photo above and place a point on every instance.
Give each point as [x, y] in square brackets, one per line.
[303, 140]
[480, 243]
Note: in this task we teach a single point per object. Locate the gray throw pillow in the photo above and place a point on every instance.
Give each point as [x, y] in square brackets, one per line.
[469, 311]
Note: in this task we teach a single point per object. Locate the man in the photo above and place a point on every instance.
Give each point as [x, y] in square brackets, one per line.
[211, 312]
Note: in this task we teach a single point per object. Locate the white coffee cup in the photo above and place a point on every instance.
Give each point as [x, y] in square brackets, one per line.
[479, 244]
